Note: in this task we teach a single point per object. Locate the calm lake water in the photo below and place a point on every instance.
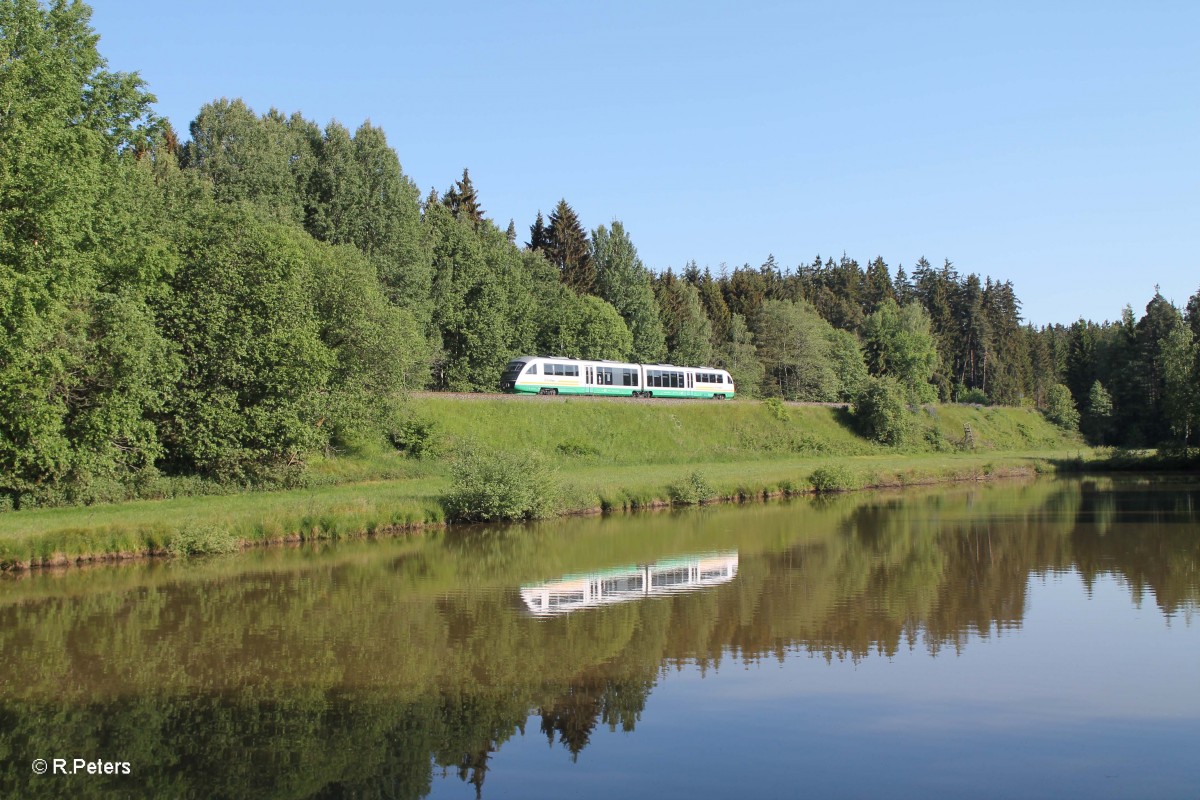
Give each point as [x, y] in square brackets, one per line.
[1007, 640]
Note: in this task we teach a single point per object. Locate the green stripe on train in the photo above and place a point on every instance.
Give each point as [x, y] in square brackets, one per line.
[619, 391]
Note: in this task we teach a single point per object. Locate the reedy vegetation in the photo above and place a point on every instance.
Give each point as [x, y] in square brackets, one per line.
[226, 307]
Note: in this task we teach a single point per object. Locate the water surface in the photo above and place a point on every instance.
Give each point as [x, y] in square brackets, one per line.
[1006, 640]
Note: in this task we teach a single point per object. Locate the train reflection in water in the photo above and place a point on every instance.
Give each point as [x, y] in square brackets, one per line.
[595, 589]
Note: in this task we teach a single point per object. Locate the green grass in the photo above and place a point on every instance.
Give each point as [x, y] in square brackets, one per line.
[608, 455]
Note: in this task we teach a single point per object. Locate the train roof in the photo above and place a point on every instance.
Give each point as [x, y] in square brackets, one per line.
[610, 361]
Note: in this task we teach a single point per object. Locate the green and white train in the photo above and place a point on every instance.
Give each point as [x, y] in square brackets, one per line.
[554, 375]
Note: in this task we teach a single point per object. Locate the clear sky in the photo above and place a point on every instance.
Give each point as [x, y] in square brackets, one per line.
[1054, 144]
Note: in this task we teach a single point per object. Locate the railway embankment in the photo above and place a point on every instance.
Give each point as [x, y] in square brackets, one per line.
[603, 456]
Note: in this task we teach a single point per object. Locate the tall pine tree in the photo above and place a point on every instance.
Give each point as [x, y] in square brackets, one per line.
[567, 248]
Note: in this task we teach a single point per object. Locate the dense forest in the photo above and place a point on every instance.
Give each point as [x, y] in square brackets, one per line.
[224, 305]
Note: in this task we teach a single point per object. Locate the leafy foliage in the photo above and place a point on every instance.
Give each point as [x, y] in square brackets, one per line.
[833, 478]
[500, 485]
[223, 308]
[692, 490]
[623, 281]
[899, 343]
[881, 412]
[1060, 408]
[793, 344]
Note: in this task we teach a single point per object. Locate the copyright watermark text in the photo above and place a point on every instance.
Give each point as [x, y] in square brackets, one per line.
[80, 766]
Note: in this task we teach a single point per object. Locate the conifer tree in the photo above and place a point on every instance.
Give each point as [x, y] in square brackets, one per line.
[568, 249]
[688, 331]
[623, 281]
[902, 286]
[537, 235]
[463, 200]
[877, 286]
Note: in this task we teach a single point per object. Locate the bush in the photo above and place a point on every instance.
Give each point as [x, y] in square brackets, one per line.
[881, 413]
[692, 490]
[491, 486]
[974, 397]
[415, 435]
[776, 408]
[832, 478]
[202, 540]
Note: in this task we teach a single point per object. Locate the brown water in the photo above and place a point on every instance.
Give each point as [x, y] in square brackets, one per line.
[1008, 640]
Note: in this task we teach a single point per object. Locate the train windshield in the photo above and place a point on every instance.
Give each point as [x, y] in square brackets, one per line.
[512, 370]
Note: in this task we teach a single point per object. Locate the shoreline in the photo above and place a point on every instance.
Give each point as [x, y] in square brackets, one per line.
[65, 548]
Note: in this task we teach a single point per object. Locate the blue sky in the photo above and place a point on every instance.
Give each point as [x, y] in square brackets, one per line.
[1056, 145]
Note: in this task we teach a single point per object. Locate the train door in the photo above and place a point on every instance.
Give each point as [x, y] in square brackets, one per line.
[690, 384]
[589, 378]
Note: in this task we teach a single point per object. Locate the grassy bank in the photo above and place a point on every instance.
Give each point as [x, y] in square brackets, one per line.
[608, 455]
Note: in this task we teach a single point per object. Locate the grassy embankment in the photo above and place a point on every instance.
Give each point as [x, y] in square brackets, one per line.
[608, 455]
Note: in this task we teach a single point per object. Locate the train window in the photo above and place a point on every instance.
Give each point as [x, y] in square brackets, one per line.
[573, 370]
[532, 370]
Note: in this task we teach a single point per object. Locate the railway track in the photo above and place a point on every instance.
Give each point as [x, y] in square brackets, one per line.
[563, 398]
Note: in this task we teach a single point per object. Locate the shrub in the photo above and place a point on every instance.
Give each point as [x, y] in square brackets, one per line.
[415, 435]
[498, 485]
[201, 540]
[832, 478]
[975, 397]
[692, 490]
[881, 413]
[776, 408]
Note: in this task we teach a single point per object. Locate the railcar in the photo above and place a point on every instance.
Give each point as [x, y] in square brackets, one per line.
[556, 375]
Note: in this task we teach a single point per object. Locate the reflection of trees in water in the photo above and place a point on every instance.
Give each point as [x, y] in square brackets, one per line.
[1161, 559]
[350, 680]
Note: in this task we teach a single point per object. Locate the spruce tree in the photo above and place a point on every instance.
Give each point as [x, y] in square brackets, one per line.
[568, 249]
[624, 281]
[688, 331]
[463, 200]
[877, 286]
[538, 236]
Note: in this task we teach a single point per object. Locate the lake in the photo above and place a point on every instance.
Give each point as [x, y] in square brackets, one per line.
[1009, 640]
